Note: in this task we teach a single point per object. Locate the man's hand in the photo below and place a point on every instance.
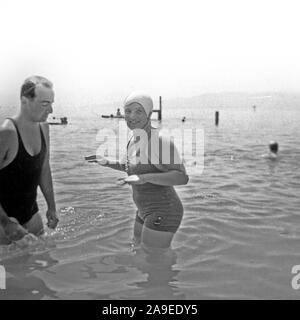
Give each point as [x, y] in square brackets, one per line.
[52, 219]
[14, 231]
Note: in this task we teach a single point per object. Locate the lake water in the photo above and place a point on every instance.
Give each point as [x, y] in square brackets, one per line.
[240, 235]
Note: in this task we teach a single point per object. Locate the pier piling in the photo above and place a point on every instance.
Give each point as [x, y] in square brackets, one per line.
[217, 118]
[159, 111]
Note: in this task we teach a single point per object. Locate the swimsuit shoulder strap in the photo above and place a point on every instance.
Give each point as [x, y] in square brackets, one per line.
[15, 125]
[42, 137]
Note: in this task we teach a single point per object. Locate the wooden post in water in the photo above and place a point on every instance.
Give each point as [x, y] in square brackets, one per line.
[159, 110]
[160, 107]
[217, 118]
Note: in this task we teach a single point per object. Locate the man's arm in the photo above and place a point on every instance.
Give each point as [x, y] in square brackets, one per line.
[4, 219]
[46, 183]
[4, 148]
[12, 230]
[5, 141]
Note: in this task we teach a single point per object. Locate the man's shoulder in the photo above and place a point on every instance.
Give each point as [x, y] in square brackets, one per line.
[7, 132]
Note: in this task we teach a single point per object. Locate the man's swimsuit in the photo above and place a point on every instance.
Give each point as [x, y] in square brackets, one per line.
[19, 181]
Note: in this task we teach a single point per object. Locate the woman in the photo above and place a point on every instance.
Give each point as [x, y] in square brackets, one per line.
[152, 179]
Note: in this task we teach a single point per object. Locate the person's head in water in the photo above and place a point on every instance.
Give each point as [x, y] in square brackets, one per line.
[138, 108]
[37, 97]
[273, 147]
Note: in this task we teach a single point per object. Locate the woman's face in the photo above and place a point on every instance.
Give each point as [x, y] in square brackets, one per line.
[135, 116]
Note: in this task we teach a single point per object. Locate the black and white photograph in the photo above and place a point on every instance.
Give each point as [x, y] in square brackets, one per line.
[149, 150]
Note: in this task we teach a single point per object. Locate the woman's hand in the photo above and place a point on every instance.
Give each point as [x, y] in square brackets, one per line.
[133, 179]
[97, 159]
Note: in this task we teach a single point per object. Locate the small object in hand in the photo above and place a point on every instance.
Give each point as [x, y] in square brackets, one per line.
[91, 158]
[132, 178]
[96, 159]
[121, 181]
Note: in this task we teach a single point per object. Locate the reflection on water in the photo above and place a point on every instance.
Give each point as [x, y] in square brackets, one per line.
[21, 283]
[159, 266]
[29, 244]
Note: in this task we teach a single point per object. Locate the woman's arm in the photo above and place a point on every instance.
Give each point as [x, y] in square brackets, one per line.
[105, 162]
[172, 171]
[169, 178]
[114, 164]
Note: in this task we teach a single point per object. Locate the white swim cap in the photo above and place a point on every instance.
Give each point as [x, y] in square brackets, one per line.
[141, 98]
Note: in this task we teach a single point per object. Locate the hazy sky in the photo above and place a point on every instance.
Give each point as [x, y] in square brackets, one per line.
[97, 51]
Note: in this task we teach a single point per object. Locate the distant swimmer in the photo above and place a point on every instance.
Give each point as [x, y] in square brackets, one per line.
[159, 209]
[183, 119]
[273, 153]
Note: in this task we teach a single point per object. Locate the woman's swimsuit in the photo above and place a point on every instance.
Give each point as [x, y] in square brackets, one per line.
[159, 207]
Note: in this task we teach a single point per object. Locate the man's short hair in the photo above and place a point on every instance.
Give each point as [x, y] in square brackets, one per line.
[29, 85]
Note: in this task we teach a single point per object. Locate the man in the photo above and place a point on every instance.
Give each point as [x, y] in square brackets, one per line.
[24, 164]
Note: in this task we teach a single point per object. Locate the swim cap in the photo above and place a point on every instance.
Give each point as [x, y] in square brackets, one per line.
[141, 98]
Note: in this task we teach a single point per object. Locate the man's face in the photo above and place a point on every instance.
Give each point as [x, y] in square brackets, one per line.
[135, 116]
[41, 105]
